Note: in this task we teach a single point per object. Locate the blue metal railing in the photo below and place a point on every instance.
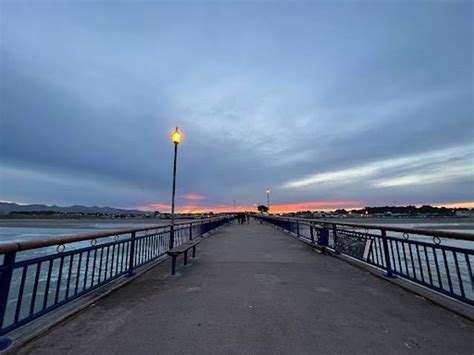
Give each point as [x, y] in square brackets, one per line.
[69, 267]
[439, 260]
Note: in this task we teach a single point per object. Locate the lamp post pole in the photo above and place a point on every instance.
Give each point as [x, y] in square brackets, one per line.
[268, 190]
[176, 137]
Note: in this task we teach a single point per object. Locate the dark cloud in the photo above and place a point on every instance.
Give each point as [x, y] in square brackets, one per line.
[265, 93]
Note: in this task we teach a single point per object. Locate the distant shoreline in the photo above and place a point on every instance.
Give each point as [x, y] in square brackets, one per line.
[81, 223]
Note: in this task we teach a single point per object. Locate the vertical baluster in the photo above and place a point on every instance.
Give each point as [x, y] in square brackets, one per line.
[148, 248]
[78, 274]
[119, 248]
[469, 269]
[375, 248]
[412, 261]
[152, 247]
[112, 261]
[100, 264]
[94, 262]
[60, 275]
[48, 282]
[86, 273]
[458, 272]
[380, 246]
[438, 273]
[144, 250]
[397, 248]
[124, 252]
[450, 284]
[137, 252]
[20, 293]
[405, 259]
[131, 255]
[428, 265]
[419, 262]
[140, 251]
[394, 264]
[35, 288]
[388, 264]
[172, 236]
[106, 271]
[69, 274]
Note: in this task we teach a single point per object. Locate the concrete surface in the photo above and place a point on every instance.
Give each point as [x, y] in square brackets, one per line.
[255, 290]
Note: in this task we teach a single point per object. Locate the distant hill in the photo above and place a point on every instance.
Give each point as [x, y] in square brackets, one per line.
[7, 207]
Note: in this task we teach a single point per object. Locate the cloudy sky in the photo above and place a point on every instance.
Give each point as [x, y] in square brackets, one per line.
[329, 103]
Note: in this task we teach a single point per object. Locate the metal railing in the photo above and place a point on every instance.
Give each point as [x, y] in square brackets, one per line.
[439, 260]
[39, 276]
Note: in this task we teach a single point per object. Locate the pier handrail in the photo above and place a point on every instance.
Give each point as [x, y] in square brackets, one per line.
[419, 231]
[41, 243]
[446, 268]
[37, 283]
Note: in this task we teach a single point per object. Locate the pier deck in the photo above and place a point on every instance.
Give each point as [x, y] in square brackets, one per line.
[256, 290]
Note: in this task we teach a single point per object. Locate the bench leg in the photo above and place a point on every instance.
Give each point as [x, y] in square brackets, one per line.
[173, 265]
[186, 257]
[194, 251]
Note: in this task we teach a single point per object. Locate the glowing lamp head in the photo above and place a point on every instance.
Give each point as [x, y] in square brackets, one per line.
[268, 190]
[176, 136]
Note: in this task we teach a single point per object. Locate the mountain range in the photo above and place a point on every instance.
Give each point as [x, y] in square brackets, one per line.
[7, 207]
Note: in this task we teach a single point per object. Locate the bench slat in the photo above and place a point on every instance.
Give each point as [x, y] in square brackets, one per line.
[183, 247]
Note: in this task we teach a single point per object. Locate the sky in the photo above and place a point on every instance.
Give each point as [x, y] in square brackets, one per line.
[331, 104]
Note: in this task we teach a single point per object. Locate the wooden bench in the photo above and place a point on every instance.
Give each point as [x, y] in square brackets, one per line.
[182, 249]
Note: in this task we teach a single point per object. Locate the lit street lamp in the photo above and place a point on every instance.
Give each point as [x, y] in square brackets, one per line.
[268, 190]
[176, 137]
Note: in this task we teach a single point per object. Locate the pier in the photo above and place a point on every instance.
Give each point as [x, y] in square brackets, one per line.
[255, 289]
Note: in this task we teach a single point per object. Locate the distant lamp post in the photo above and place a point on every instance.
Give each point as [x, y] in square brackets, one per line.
[268, 190]
[176, 137]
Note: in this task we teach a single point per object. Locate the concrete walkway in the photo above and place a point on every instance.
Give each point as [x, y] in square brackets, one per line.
[255, 290]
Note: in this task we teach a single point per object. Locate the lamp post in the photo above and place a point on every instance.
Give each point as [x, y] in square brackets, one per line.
[268, 190]
[176, 137]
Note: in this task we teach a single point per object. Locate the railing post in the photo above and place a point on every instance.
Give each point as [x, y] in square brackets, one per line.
[311, 231]
[323, 237]
[131, 257]
[334, 234]
[5, 283]
[388, 264]
[190, 231]
[297, 228]
[172, 237]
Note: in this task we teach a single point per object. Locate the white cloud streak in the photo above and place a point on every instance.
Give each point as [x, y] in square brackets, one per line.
[431, 167]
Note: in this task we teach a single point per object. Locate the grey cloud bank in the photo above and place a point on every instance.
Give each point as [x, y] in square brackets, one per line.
[266, 93]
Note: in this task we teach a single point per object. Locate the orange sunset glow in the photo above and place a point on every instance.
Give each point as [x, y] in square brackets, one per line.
[193, 197]
[456, 205]
[278, 208]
